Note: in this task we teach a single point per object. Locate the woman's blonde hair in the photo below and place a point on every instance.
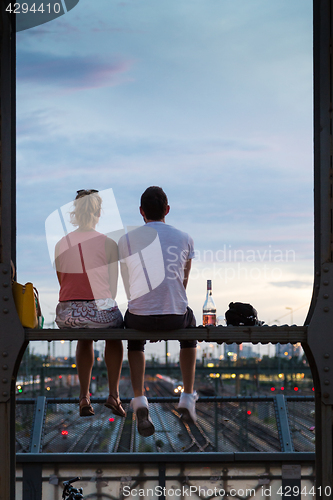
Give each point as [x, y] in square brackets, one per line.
[87, 210]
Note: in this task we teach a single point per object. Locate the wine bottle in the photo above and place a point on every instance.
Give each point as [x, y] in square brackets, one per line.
[209, 309]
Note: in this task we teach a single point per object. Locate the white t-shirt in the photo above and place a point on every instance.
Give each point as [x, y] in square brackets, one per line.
[155, 256]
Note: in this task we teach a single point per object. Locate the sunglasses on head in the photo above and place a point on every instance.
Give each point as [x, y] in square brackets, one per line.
[84, 192]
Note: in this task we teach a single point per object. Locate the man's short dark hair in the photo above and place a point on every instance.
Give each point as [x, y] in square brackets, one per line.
[154, 203]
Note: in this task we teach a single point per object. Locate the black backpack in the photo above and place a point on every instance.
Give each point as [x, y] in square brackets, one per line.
[241, 314]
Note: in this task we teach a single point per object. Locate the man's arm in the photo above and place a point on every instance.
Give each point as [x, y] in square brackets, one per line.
[187, 270]
[125, 276]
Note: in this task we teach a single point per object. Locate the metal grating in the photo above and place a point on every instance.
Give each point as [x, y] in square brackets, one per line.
[23, 427]
[247, 426]
[302, 424]
[66, 432]
[221, 426]
[225, 425]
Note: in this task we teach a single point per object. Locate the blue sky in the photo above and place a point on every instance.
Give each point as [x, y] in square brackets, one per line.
[211, 100]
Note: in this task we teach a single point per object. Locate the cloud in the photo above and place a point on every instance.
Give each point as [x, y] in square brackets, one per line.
[292, 284]
[69, 72]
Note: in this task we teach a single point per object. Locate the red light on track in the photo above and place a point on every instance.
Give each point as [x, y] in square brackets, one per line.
[313, 388]
[111, 419]
[64, 433]
[60, 376]
[249, 412]
[282, 388]
[272, 388]
[295, 388]
[94, 378]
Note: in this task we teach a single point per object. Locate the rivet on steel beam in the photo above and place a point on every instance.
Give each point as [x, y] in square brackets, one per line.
[5, 298]
[4, 380]
[318, 273]
[5, 367]
[326, 369]
[325, 269]
[326, 309]
[5, 393]
[326, 296]
[326, 282]
[326, 382]
[5, 354]
[326, 395]
[5, 271]
[5, 311]
[5, 285]
[326, 355]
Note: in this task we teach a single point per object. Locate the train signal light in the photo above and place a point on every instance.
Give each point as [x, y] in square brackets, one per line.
[282, 388]
[111, 419]
[295, 388]
[64, 432]
[272, 389]
[249, 412]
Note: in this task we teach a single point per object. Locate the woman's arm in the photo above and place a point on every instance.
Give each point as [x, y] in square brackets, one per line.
[111, 250]
[56, 255]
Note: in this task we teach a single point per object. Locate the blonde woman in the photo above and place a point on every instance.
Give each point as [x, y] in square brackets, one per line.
[87, 270]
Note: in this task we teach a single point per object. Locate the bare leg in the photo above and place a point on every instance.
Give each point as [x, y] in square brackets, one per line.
[139, 402]
[137, 364]
[84, 363]
[113, 359]
[187, 359]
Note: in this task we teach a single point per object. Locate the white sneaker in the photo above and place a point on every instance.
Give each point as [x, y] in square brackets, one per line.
[144, 423]
[186, 407]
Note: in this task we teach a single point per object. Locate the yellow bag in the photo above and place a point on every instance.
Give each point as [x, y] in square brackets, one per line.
[27, 304]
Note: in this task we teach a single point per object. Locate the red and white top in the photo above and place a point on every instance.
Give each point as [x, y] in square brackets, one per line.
[82, 263]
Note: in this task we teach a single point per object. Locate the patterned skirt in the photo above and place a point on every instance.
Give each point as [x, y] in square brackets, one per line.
[100, 313]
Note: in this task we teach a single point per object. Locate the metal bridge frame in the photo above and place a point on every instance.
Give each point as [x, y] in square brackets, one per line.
[317, 334]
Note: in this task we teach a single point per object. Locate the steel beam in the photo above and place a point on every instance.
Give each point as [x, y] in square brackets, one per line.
[228, 334]
[38, 426]
[32, 481]
[173, 458]
[12, 341]
[283, 423]
[319, 347]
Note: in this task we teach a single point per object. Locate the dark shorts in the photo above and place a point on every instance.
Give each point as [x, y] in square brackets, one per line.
[159, 322]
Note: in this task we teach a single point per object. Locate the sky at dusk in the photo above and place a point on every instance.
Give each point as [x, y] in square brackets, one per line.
[210, 99]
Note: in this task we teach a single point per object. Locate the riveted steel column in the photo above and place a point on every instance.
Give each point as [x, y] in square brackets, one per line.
[283, 423]
[38, 426]
[12, 342]
[320, 318]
